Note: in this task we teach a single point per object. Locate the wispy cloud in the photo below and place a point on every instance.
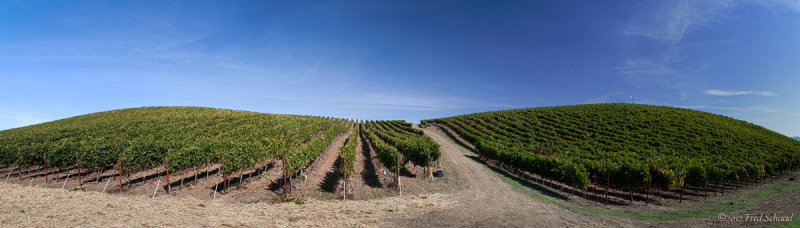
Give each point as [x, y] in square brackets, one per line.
[644, 66]
[716, 92]
[412, 102]
[672, 21]
[780, 5]
[763, 109]
[662, 27]
[608, 98]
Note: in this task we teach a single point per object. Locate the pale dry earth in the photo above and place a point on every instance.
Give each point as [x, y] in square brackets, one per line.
[24, 206]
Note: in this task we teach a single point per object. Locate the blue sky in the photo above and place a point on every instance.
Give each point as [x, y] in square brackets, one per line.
[399, 59]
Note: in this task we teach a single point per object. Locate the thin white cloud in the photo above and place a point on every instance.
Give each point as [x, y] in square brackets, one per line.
[643, 66]
[608, 98]
[780, 5]
[673, 20]
[716, 92]
[763, 109]
[663, 27]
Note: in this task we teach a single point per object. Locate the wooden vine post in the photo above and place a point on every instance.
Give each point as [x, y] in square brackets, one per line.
[430, 172]
[169, 184]
[207, 171]
[397, 177]
[78, 163]
[20, 169]
[646, 201]
[608, 182]
[344, 194]
[45, 167]
[224, 177]
[120, 172]
[285, 173]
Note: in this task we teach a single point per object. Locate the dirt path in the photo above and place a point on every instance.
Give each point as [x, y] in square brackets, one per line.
[366, 181]
[490, 202]
[325, 177]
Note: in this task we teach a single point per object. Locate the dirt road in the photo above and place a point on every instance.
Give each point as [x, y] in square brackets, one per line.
[490, 202]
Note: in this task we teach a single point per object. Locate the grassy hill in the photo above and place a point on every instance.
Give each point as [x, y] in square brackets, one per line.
[637, 145]
[189, 136]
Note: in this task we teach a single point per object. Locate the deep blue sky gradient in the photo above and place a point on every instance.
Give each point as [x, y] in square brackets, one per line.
[407, 60]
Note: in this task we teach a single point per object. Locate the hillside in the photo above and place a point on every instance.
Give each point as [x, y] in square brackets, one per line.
[189, 136]
[632, 145]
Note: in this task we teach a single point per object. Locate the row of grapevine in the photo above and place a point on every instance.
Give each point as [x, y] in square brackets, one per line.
[348, 154]
[189, 136]
[412, 143]
[634, 146]
[309, 151]
[391, 139]
[347, 157]
[387, 154]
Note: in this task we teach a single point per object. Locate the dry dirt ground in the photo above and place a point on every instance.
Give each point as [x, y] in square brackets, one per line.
[23, 206]
[471, 195]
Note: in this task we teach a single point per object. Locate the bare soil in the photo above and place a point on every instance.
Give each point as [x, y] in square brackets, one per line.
[325, 179]
[23, 206]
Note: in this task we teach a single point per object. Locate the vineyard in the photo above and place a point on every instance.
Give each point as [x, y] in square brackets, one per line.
[396, 143]
[176, 138]
[628, 147]
[347, 158]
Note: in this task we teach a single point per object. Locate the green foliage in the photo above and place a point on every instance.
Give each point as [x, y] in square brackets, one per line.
[696, 176]
[664, 178]
[716, 175]
[387, 154]
[412, 144]
[349, 152]
[575, 175]
[188, 136]
[291, 199]
[631, 175]
[636, 145]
